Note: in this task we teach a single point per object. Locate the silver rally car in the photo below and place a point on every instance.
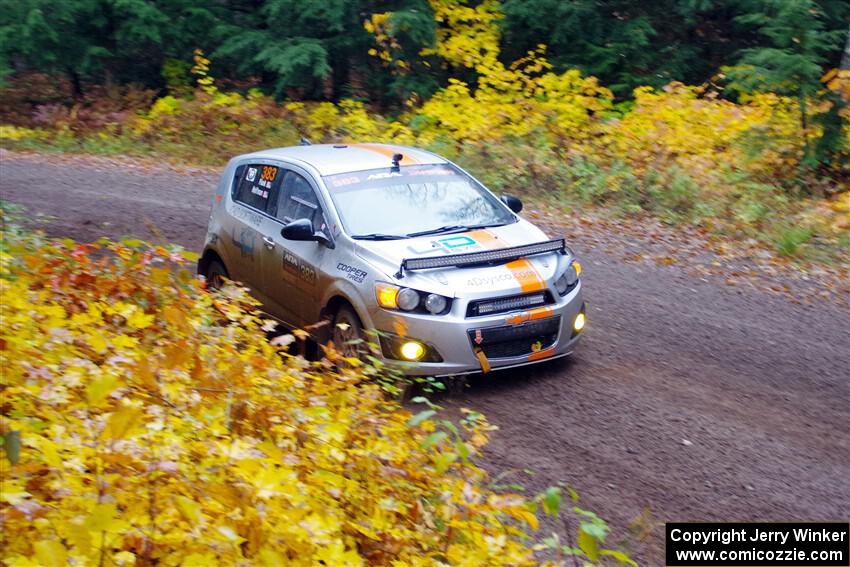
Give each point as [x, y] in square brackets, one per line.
[391, 238]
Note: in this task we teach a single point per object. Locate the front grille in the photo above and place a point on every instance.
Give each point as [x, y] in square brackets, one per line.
[511, 341]
[492, 306]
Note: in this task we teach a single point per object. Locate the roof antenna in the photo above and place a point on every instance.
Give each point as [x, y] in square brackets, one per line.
[304, 142]
[396, 159]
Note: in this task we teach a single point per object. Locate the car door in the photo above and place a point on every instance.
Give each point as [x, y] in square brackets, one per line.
[252, 194]
[294, 269]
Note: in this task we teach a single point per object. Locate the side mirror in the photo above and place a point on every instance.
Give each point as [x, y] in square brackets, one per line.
[302, 229]
[512, 202]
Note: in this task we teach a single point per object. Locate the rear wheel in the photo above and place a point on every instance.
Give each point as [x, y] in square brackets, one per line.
[347, 333]
[216, 274]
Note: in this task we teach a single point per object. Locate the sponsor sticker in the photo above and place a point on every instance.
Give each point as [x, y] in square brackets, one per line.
[251, 174]
[457, 242]
[246, 215]
[342, 182]
[352, 273]
[244, 242]
[299, 268]
[448, 245]
[383, 175]
[487, 281]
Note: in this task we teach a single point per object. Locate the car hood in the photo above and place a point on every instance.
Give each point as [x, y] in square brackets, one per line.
[525, 275]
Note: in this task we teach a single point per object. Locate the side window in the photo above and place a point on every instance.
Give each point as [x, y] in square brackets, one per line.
[298, 201]
[256, 185]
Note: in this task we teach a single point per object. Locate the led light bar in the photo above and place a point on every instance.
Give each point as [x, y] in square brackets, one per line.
[485, 257]
[510, 303]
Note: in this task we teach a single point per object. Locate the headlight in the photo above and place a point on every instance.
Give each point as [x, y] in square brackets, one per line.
[561, 284]
[571, 275]
[408, 299]
[394, 297]
[568, 279]
[435, 303]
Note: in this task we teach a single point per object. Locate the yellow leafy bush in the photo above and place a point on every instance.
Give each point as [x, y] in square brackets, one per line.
[17, 133]
[679, 125]
[150, 422]
[525, 100]
[347, 120]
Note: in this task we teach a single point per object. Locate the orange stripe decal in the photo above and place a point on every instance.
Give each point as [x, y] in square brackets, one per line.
[523, 270]
[540, 355]
[525, 274]
[487, 239]
[385, 151]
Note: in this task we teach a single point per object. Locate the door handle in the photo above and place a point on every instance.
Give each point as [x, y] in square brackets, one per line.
[268, 242]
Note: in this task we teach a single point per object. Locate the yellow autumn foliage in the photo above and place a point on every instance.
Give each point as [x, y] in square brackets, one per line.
[157, 425]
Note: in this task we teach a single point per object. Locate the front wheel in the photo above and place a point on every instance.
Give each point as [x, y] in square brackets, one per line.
[216, 274]
[347, 333]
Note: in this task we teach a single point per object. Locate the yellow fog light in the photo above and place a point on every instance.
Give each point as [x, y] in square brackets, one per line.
[386, 295]
[577, 266]
[412, 350]
[578, 324]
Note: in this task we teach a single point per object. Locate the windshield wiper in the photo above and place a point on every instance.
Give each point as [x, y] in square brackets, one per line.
[489, 225]
[439, 230]
[378, 236]
[455, 228]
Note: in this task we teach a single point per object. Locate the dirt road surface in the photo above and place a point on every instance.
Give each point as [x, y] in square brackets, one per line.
[687, 400]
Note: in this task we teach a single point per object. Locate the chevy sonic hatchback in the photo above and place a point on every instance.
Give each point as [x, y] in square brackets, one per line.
[398, 240]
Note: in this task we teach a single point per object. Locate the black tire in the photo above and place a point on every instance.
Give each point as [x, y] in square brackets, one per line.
[216, 274]
[347, 333]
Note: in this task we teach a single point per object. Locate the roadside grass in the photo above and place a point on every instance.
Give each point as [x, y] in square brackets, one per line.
[790, 239]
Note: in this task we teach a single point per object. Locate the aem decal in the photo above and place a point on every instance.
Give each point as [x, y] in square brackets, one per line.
[298, 267]
[352, 273]
[385, 175]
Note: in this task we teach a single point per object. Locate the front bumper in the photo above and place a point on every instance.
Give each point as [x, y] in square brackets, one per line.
[507, 340]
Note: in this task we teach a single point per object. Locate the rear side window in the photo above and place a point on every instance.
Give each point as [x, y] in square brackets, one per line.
[256, 185]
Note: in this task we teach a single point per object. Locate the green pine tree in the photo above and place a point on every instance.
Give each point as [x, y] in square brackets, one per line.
[793, 60]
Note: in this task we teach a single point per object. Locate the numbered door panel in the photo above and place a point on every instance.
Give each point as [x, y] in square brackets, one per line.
[244, 223]
[295, 271]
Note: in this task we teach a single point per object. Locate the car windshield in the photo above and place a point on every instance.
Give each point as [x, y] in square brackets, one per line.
[413, 200]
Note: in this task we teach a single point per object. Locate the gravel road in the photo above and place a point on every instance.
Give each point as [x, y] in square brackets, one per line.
[687, 400]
